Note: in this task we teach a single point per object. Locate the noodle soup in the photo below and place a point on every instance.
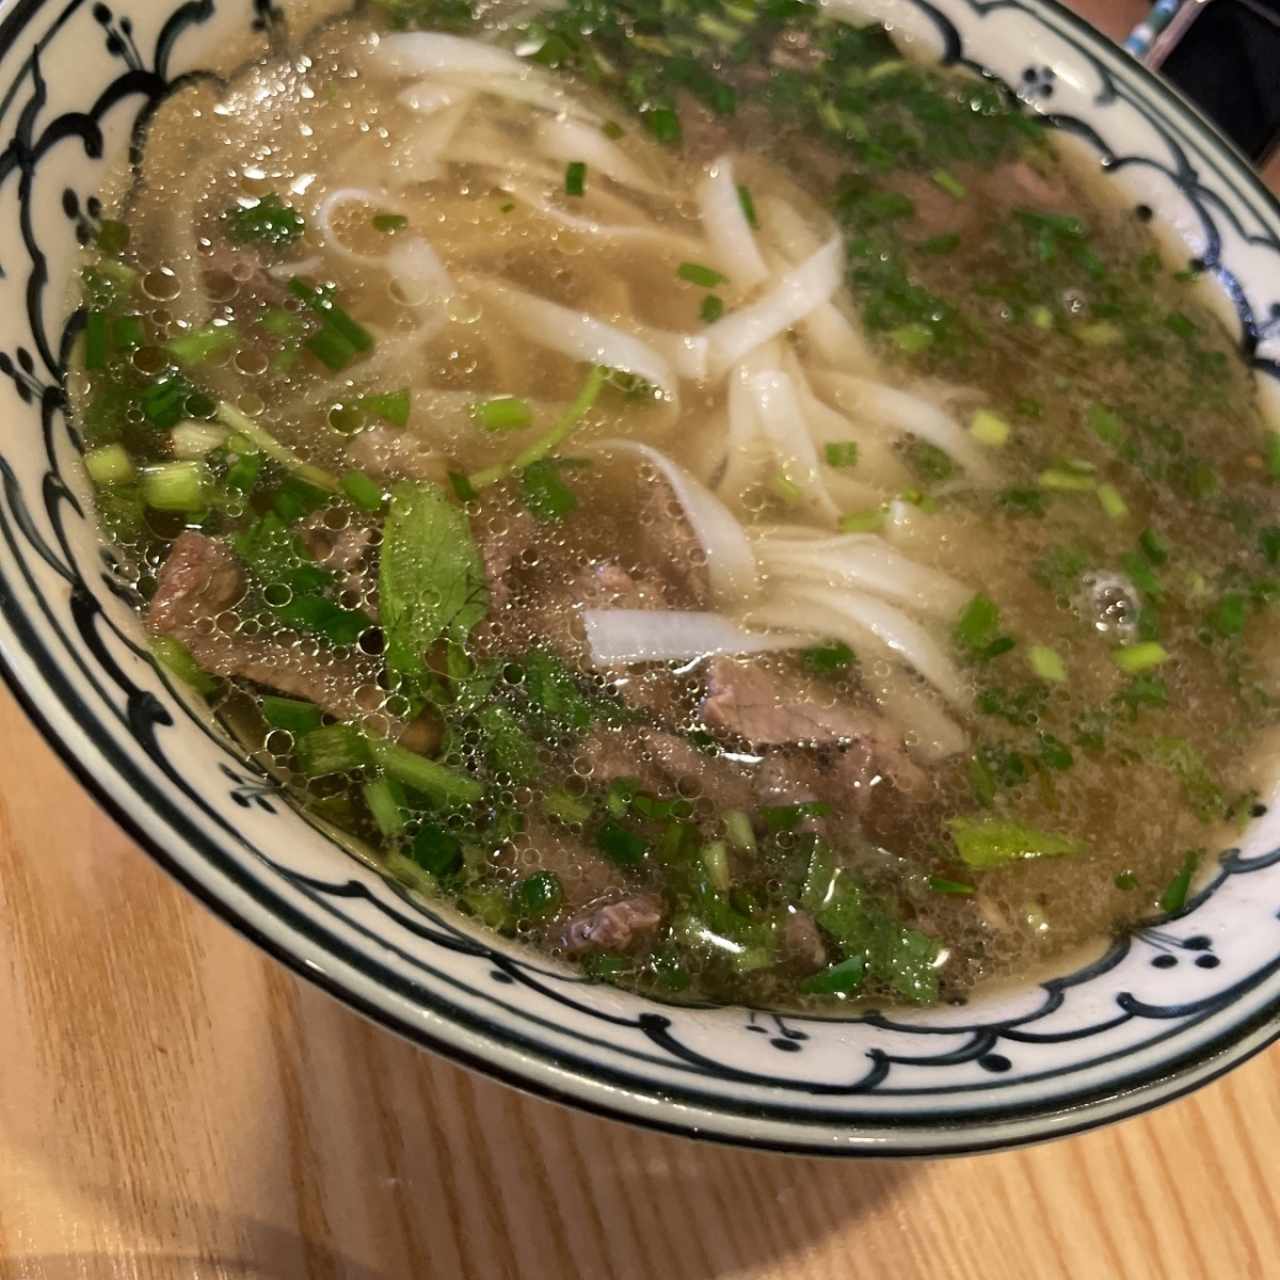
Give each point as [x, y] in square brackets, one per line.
[705, 495]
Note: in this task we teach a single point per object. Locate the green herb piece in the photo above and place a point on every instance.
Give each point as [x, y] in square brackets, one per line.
[538, 895]
[977, 631]
[462, 487]
[96, 340]
[243, 474]
[1106, 424]
[930, 464]
[1060, 480]
[178, 659]
[620, 844]
[437, 850]
[830, 659]
[748, 207]
[712, 308]
[1022, 502]
[986, 843]
[1140, 657]
[1111, 502]
[1227, 617]
[1271, 453]
[502, 413]
[341, 338]
[1054, 753]
[787, 817]
[990, 429]
[739, 831]
[296, 716]
[871, 521]
[950, 184]
[839, 979]
[575, 178]
[555, 695]
[1153, 546]
[1047, 664]
[1126, 880]
[1174, 897]
[335, 748]
[612, 130]
[204, 344]
[112, 237]
[1181, 324]
[940, 246]
[389, 223]
[940, 884]
[262, 440]
[1199, 786]
[664, 124]
[1101, 333]
[841, 454]
[565, 807]
[110, 464]
[703, 277]
[270, 221]
[441, 784]
[363, 490]
[177, 486]
[386, 807]
[545, 492]
[912, 338]
[390, 406]
[431, 582]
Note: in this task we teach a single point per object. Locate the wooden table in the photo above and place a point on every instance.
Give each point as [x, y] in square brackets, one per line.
[174, 1105]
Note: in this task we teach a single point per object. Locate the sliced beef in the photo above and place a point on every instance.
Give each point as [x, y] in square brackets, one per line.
[801, 947]
[668, 550]
[201, 579]
[769, 706]
[621, 925]
[585, 877]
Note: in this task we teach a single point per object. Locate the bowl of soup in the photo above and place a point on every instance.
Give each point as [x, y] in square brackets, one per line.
[715, 561]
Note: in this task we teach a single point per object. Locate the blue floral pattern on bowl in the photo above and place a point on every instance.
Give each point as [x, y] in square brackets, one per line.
[1145, 1018]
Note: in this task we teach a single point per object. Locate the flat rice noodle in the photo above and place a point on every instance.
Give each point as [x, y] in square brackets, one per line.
[422, 155]
[732, 242]
[423, 53]
[327, 207]
[731, 561]
[929, 734]
[783, 422]
[620, 637]
[569, 140]
[419, 276]
[577, 335]
[798, 292]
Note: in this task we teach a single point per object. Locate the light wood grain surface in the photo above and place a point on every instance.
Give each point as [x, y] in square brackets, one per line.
[173, 1105]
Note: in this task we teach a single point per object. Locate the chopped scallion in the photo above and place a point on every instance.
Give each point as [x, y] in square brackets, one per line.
[1047, 663]
[203, 344]
[696, 273]
[384, 806]
[912, 338]
[1140, 657]
[738, 830]
[575, 178]
[1111, 502]
[110, 464]
[712, 308]
[443, 785]
[1062, 480]
[362, 489]
[175, 655]
[390, 406]
[748, 206]
[950, 184]
[389, 223]
[990, 429]
[502, 413]
[841, 453]
[870, 521]
[940, 884]
[293, 714]
[176, 486]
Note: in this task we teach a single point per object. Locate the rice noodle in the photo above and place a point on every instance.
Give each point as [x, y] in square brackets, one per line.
[930, 735]
[420, 53]
[418, 274]
[911, 414]
[797, 293]
[733, 244]
[429, 96]
[349, 195]
[424, 149]
[853, 616]
[570, 140]
[731, 562]
[578, 335]
[783, 422]
[623, 636]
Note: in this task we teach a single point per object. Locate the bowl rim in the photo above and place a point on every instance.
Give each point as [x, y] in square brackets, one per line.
[575, 1085]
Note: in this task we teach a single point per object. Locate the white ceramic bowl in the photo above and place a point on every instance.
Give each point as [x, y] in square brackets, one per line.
[1163, 1010]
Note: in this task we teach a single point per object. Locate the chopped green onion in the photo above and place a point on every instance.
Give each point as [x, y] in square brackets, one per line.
[985, 843]
[841, 453]
[785, 488]
[242, 475]
[438, 851]
[1153, 546]
[1174, 898]
[940, 246]
[1111, 502]
[940, 884]
[545, 493]
[439, 782]
[385, 807]
[787, 817]
[331, 349]
[175, 655]
[266, 443]
[712, 308]
[870, 521]
[462, 487]
[110, 464]
[837, 980]
[1101, 333]
[1042, 318]
[620, 843]
[192, 439]
[1047, 664]
[176, 486]
[203, 344]
[1064, 481]
[293, 714]
[335, 748]
[389, 223]
[363, 490]
[268, 221]
[1139, 657]
[95, 340]
[337, 321]
[1271, 445]
[715, 860]
[112, 237]
[502, 413]
[912, 338]
[696, 273]
[990, 429]
[950, 184]
[1106, 424]
[575, 178]
[565, 807]
[739, 831]
[1228, 615]
[390, 406]
[829, 659]
[748, 206]
[1126, 880]
[538, 895]
[612, 130]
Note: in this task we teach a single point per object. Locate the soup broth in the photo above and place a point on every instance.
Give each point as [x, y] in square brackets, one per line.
[710, 497]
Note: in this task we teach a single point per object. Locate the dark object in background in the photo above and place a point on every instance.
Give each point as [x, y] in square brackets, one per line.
[1225, 56]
